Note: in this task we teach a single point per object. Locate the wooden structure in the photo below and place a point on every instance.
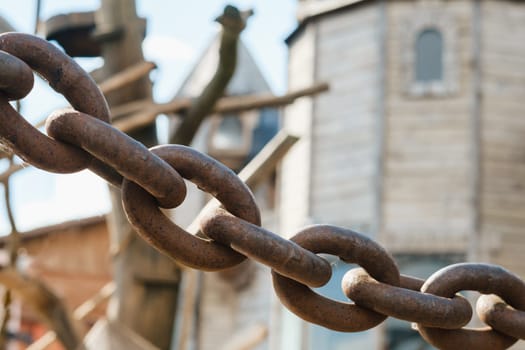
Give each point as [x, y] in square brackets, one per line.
[137, 265]
[422, 152]
[71, 258]
[254, 130]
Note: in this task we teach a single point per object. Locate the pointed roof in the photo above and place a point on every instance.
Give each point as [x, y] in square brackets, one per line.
[247, 78]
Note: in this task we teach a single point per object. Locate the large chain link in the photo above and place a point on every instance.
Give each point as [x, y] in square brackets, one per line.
[82, 138]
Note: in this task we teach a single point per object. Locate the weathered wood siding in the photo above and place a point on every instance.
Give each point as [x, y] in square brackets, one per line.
[295, 170]
[427, 197]
[228, 312]
[344, 163]
[294, 175]
[73, 259]
[503, 133]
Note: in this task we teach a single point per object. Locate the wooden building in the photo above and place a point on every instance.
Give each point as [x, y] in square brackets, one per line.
[419, 142]
[70, 258]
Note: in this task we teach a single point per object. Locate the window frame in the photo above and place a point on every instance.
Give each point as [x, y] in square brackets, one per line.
[430, 19]
[426, 67]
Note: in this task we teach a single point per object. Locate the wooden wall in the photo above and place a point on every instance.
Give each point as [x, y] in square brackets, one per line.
[427, 199]
[434, 173]
[344, 136]
[295, 169]
[503, 133]
[72, 259]
[329, 176]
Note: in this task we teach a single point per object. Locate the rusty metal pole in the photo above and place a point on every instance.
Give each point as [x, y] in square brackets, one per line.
[146, 281]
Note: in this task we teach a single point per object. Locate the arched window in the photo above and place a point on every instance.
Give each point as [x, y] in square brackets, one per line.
[429, 56]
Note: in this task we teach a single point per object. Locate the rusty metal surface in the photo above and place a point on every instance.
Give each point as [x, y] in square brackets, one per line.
[213, 178]
[486, 279]
[67, 78]
[464, 338]
[492, 310]
[62, 73]
[16, 79]
[82, 138]
[283, 256]
[128, 157]
[36, 148]
[350, 247]
[406, 304]
[412, 283]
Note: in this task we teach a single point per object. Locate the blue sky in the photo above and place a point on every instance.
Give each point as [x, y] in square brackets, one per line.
[177, 33]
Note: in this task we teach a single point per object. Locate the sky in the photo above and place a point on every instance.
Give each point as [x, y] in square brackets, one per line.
[177, 33]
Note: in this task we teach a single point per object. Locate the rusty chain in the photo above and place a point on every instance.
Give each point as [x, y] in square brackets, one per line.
[82, 137]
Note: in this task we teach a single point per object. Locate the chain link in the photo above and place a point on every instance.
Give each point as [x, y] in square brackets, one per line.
[486, 279]
[121, 156]
[212, 177]
[283, 256]
[350, 247]
[405, 304]
[82, 138]
[492, 310]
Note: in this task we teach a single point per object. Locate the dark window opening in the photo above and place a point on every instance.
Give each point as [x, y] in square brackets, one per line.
[429, 56]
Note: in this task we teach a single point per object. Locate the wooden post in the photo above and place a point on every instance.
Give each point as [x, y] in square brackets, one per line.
[146, 308]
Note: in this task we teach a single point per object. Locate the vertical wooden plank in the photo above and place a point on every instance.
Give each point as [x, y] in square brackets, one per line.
[294, 180]
[294, 175]
[502, 196]
[475, 127]
[376, 226]
[146, 309]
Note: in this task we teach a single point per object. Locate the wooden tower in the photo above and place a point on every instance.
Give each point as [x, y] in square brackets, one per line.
[420, 141]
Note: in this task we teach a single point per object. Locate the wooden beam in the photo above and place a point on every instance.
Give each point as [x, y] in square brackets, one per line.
[126, 76]
[151, 110]
[149, 114]
[244, 103]
[80, 313]
[121, 32]
[119, 112]
[266, 160]
[146, 111]
[255, 171]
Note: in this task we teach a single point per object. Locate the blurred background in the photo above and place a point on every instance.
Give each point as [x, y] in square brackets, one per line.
[417, 143]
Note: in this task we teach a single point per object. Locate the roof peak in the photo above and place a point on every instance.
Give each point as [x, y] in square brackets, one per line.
[247, 79]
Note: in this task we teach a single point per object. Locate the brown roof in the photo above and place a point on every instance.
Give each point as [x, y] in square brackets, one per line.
[62, 227]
